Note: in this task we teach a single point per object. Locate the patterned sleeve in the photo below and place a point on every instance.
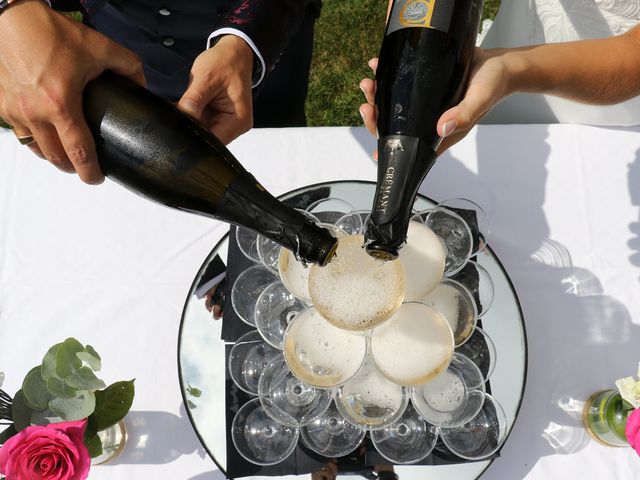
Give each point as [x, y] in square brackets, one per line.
[269, 23]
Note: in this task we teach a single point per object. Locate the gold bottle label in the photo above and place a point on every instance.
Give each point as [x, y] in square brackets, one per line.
[435, 14]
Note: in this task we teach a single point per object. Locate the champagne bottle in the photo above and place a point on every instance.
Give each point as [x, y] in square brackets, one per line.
[422, 71]
[147, 145]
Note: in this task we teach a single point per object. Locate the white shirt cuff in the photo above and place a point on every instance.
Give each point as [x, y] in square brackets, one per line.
[242, 35]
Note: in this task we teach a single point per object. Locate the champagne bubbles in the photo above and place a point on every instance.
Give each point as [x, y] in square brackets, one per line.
[355, 291]
[321, 354]
[423, 259]
[414, 346]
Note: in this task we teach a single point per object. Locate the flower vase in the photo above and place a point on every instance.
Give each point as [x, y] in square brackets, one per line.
[605, 417]
[113, 440]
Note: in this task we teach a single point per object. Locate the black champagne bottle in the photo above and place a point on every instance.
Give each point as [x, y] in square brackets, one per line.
[422, 71]
[147, 145]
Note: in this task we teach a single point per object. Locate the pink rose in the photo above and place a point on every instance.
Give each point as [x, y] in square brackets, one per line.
[632, 431]
[54, 452]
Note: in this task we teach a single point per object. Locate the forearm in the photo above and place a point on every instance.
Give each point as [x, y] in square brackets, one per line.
[600, 72]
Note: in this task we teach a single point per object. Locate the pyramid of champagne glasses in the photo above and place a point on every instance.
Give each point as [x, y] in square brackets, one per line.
[389, 349]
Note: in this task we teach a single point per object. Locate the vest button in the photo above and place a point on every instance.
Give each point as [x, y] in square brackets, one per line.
[165, 12]
[168, 41]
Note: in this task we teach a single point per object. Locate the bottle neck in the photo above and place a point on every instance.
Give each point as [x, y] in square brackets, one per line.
[245, 202]
[403, 162]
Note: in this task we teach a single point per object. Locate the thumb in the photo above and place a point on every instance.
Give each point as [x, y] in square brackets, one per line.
[195, 98]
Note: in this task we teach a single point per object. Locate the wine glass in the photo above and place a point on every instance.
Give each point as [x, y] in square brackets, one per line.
[247, 241]
[352, 223]
[246, 290]
[481, 350]
[423, 259]
[454, 233]
[321, 354]
[330, 210]
[268, 252]
[370, 400]
[480, 437]
[275, 309]
[456, 304]
[414, 346]
[475, 216]
[258, 438]
[356, 291]
[407, 440]
[330, 435]
[453, 397]
[477, 279]
[248, 358]
[288, 400]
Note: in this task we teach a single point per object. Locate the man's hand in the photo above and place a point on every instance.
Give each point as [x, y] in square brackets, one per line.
[46, 59]
[219, 93]
[489, 83]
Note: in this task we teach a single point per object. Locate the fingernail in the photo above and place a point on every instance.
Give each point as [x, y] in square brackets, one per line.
[449, 127]
[361, 112]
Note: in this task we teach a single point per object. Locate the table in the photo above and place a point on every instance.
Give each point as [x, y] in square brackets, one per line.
[101, 265]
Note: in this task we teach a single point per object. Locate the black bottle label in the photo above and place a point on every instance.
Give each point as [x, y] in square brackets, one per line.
[435, 14]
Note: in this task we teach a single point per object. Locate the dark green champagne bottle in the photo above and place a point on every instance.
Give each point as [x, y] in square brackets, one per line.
[147, 145]
[422, 71]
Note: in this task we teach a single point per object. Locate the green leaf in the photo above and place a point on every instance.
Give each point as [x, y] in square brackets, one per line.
[7, 433]
[191, 405]
[113, 403]
[66, 360]
[91, 357]
[194, 392]
[627, 406]
[35, 390]
[74, 408]
[49, 362]
[20, 411]
[84, 379]
[59, 389]
[94, 445]
[44, 417]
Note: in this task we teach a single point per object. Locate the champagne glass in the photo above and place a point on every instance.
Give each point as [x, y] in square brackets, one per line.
[481, 436]
[294, 273]
[473, 214]
[423, 259]
[330, 435]
[275, 309]
[247, 241]
[454, 233]
[456, 304]
[352, 223]
[414, 346]
[476, 278]
[407, 440]
[268, 252]
[453, 397]
[481, 350]
[246, 290]
[330, 210]
[356, 291]
[370, 400]
[258, 438]
[288, 400]
[247, 359]
[321, 354]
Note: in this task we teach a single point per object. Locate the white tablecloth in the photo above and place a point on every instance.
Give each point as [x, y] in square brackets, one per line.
[112, 270]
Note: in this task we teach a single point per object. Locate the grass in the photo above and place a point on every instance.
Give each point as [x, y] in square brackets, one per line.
[348, 34]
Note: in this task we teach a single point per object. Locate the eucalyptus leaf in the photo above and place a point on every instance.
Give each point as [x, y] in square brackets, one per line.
[66, 360]
[20, 411]
[7, 433]
[44, 417]
[94, 445]
[113, 403]
[84, 379]
[90, 359]
[194, 392]
[74, 408]
[35, 390]
[59, 389]
[191, 405]
[49, 362]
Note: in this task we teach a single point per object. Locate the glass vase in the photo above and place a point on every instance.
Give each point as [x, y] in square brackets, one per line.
[605, 418]
[113, 440]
